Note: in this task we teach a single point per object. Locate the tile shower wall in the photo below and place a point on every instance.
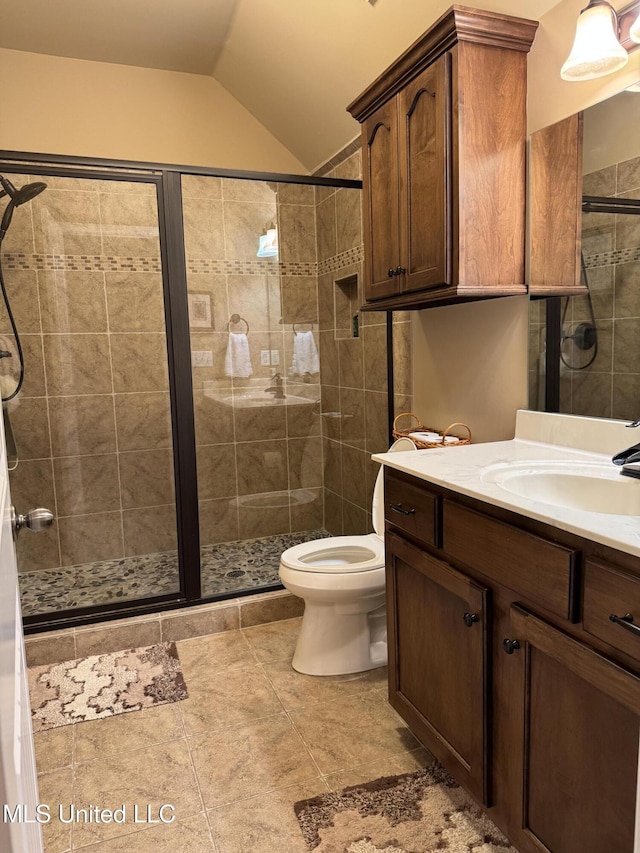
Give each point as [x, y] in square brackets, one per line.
[610, 387]
[353, 369]
[92, 423]
[259, 458]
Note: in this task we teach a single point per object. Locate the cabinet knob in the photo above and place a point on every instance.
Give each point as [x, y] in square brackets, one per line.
[391, 272]
[400, 270]
[470, 618]
[510, 646]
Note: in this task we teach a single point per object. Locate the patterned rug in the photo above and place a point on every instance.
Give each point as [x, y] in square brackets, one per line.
[413, 813]
[104, 685]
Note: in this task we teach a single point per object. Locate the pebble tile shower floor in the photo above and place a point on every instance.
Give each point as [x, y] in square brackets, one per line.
[253, 738]
[227, 567]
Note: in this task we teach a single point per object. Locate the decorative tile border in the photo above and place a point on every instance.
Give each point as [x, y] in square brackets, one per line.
[618, 256]
[82, 263]
[195, 266]
[344, 259]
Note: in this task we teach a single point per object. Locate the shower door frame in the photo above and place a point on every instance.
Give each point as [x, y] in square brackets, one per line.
[167, 180]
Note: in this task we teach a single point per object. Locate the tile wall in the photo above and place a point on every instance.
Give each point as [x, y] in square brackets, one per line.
[92, 424]
[353, 370]
[259, 458]
[610, 386]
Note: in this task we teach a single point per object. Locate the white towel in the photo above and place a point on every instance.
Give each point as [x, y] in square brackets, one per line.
[237, 361]
[305, 354]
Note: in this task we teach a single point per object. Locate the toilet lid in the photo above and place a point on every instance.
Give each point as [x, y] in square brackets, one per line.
[377, 505]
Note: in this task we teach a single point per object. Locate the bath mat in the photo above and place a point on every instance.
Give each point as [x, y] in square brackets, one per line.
[104, 685]
[413, 813]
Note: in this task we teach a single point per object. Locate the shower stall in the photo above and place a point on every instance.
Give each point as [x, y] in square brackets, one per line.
[195, 364]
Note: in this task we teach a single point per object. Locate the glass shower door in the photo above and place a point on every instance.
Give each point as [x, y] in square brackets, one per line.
[92, 422]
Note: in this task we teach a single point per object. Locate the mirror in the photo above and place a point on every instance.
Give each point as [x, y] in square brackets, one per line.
[584, 349]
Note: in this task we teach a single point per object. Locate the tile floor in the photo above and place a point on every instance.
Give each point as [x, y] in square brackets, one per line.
[226, 567]
[252, 738]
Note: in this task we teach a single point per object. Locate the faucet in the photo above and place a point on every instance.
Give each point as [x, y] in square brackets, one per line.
[629, 456]
[276, 388]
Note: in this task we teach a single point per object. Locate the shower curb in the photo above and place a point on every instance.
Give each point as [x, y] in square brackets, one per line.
[184, 624]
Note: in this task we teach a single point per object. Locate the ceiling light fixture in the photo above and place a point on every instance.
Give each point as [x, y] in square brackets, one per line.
[604, 38]
[596, 50]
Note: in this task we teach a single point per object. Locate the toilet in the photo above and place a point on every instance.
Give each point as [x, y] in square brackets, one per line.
[342, 582]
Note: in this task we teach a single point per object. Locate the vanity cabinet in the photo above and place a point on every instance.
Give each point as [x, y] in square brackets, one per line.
[443, 142]
[505, 663]
[440, 637]
[577, 757]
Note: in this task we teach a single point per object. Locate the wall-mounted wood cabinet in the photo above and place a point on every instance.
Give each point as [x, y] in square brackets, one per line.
[443, 141]
[555, 190]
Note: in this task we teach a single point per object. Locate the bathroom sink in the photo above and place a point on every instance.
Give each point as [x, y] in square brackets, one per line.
[245, 398]
[585, 486]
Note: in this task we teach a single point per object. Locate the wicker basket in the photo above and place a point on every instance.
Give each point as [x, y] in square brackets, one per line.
[418, 427]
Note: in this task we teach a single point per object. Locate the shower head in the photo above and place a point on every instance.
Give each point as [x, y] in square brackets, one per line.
[16, 198]
[22, 195]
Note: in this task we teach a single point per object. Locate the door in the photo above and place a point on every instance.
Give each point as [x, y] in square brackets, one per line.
[18, 783]
[380, 183]
[577, 746]
[424, 109]
[438, 658]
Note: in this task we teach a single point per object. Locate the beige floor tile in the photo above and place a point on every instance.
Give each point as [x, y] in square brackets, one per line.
[391, 765]
[263, 824]
[214, 653]
[125, 732]
[185, 836]
[154, 776]
[341, 735]
[247, 760]
[299, 691]
[218, 700]
[55, 789]
[274, 641]
[54, 748]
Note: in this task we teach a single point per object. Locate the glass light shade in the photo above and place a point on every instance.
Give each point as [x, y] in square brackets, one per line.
[634, 30]
[634, 87]
[596, 50]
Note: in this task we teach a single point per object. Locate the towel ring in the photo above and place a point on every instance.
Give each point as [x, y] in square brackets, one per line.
[236, 318]
[295, 331]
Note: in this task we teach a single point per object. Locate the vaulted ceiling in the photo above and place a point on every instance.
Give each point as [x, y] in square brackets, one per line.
[294, 64]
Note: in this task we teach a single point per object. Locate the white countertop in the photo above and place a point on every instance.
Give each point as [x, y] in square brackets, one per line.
[461, 469]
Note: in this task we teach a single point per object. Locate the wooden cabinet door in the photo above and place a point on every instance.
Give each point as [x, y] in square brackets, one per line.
[437, 659]
[555, 190]
[380, 177]
[424, 111]
[578, 744]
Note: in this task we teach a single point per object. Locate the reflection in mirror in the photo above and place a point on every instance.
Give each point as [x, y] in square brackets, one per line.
[584, 355]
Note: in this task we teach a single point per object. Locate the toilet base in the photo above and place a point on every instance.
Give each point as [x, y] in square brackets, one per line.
[334, 640]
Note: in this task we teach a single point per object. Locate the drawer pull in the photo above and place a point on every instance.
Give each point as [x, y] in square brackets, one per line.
[470, 618]
[626, 622]
[399, 508]
[510, 646]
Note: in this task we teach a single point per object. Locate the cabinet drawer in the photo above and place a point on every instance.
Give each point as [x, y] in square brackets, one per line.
[539, 571]
[609, 592]
[413, 509]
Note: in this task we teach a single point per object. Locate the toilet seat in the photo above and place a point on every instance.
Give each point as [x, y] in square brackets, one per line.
[337, 555]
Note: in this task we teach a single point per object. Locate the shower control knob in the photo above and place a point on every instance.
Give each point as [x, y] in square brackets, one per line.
[36, 520]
